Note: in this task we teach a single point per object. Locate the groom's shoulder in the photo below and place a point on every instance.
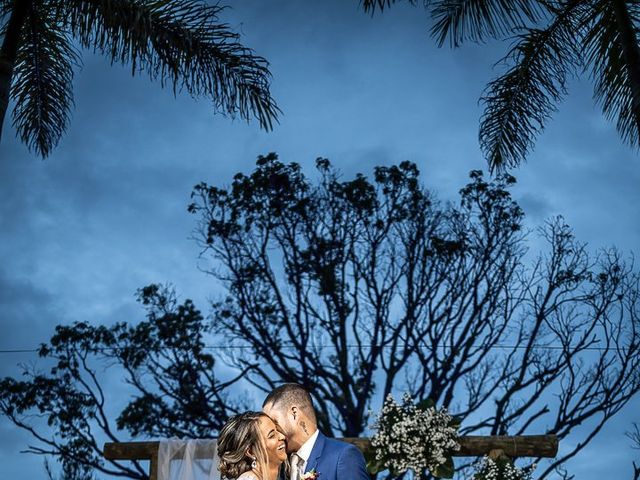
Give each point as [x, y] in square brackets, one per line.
[335, 443]
[338, 445]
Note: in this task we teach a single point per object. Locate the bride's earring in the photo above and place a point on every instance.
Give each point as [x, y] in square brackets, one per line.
[254, 464]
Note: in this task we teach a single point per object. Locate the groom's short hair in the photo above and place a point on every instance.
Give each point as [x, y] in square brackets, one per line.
[291, 394]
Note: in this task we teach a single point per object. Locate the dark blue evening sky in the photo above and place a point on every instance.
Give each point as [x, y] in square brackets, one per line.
[106, 213]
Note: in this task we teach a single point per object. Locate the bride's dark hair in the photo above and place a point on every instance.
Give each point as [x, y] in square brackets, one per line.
[240, 435]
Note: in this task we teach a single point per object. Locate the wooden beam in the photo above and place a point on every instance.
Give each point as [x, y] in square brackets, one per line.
[134, 451]
[130, 450]
[545, 446]
[470, 446]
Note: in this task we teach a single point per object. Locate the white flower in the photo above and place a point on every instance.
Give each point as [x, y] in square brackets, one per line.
[502, 469]
[312, 475]
[411, 438]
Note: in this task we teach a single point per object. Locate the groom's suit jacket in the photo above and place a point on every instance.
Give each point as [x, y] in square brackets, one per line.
[336, 460]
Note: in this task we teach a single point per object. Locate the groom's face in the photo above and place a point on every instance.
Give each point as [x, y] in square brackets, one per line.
[286, 425]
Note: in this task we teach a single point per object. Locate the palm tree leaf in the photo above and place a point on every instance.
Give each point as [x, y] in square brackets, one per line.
[181, 42]
[42, 82]
[477, 20]
[5, 9]
[370, 6]
[613, 56]
[518, 103]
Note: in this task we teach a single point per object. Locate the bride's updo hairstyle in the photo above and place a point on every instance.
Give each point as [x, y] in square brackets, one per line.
[241, 435]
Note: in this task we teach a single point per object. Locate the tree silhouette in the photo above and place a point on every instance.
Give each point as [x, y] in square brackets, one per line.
[359, 288]
[355, 289]
[634, 436]
[163, 359]
[181, 43]
[553, 41]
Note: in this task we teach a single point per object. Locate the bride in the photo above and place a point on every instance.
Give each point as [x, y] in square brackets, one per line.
[251, 447]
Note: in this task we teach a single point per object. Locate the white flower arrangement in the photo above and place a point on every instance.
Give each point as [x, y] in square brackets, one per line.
[414, 437]
[502, 468]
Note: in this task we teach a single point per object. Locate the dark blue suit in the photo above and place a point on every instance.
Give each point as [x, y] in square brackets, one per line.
[336, 460]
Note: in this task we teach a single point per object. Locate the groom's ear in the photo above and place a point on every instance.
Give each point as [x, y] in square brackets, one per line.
[294, 412]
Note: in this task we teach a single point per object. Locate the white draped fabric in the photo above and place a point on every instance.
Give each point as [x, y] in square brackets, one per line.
[188, 460]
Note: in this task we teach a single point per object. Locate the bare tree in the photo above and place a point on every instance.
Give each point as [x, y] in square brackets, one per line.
[356, 289]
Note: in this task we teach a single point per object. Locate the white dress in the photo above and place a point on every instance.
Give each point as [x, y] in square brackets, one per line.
[248, 476]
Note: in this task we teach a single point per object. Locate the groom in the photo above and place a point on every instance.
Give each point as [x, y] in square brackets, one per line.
[290, 405]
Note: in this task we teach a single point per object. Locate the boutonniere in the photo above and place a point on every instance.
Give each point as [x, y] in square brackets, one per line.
[312, 475]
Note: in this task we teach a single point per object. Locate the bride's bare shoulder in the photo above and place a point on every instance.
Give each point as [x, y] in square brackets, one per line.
[247, 476]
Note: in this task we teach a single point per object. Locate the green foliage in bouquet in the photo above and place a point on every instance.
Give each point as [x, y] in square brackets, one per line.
[414, 437]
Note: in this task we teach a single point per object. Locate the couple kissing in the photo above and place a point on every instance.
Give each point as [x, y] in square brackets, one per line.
[283, 442]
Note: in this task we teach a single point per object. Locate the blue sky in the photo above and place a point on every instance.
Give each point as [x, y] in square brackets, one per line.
[106, 213]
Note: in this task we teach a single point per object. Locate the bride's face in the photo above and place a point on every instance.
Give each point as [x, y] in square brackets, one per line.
[286, 426]
[274, 441]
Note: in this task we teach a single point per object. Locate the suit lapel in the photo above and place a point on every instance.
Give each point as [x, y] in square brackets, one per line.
[316, 451]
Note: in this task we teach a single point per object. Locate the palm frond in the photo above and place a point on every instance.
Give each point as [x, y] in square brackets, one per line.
[370, 6]
[5, 8]
[518, 103]
[478, 20]
[42, 85]
[614, 59]
[180, 42]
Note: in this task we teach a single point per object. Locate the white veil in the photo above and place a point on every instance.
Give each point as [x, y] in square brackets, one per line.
[188, 460]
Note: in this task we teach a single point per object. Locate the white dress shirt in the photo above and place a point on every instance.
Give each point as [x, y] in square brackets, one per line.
[304, 453]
